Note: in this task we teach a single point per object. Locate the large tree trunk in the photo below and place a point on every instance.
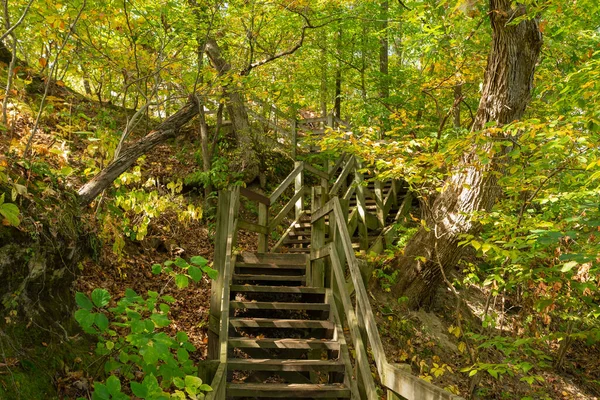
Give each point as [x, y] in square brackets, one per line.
[471, 187]
[247, 160]
[168, 129]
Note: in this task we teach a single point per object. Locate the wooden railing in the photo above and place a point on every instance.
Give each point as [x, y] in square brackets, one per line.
[225, 240]
[359, 318]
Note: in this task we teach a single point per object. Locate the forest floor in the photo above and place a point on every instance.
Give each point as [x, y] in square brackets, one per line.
[428, 341]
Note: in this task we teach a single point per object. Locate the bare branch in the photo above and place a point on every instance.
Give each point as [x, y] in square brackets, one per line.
[12, 28]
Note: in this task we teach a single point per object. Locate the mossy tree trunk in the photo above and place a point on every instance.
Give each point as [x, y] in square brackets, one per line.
[472, 186]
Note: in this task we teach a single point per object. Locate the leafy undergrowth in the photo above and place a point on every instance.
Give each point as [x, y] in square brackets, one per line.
[442, 350]
[148, 218]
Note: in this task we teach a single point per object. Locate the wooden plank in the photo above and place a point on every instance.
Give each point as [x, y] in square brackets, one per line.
[269, 266]
[277, 305]
[412, 387]
[286, 183]
[218, 384]
[298, 184]
[272, 258]
[252, 195]
[287, 232]
[317, 254]
[363, 366]
[280, 323]
[269, 278]
[263, 221]
[338, 163]
[361, 293]
[269, 364]
[362, 210]
[288, 390]
[286, 209]
[274, 343]
[379, 201]
[317, 267]
[277, 289]
[338, 183]
[315, 171]
[321, 212]
[252, 227]
[344, 353]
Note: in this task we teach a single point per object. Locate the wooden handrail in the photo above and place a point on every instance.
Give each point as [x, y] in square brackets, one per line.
[286, 183]
[392, 377]
[340, 179]
[252, 195]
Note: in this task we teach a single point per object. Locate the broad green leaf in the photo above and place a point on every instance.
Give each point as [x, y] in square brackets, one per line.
[161, 320]
[101, 321]
[100, 392]
[199, 260]
[83, 301]
[100, 297]
[181, 281]
[113, 384]
[195, 273]
[85, 318]
[156, 269]
[212, 273]
[139, 389]
[11, 213]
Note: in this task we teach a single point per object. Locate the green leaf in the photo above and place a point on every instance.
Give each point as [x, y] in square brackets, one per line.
[195, 273]
[569, 266]
[192, 381]
[139, 389]
[199, 260]
[100, 392]
[205, 388]
[101, 322]
[11, 213]
[113, 384]
[83, 301]
[100, 297]
[169, 299]
[179, 383]
[181, 263]
[182, 337]
[182, 355]
[212, 273]
[161, 320]
[156, 269]
[85, 318]
[181, 281]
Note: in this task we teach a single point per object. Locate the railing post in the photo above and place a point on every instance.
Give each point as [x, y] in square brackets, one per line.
[298, 183]
[379, 202]
[362, 207]
[224, 203]
[317, 269]
[263, 219]
[294, 129]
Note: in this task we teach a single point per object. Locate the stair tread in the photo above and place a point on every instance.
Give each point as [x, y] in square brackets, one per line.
[280, 323]
[278, 305]
[274, 343]
[259, 277]
[270, 266]
[276, 364]
[276, 289]
[271, 258]
[291, 390]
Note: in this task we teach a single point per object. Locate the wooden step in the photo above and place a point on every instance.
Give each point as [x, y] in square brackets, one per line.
[277, 305]
[280, 323]
[303, 250]
[271, 258]
[270, 266]
[269, 364]
[276, 289]
[273, 343]
[291, 390]
[297, 241]
[269, 278]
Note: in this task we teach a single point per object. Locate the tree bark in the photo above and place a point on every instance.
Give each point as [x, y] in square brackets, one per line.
[247, 160]
[472, 186]
[168, 129]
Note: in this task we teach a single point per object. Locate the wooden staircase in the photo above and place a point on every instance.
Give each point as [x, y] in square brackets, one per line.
[279, 321]
[283, 341]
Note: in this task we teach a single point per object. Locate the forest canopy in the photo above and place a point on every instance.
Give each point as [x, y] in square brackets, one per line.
[123, 120]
